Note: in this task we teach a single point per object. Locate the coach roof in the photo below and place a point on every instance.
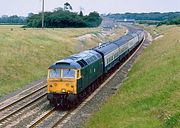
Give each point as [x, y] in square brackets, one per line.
[106, 48]
[122, 40]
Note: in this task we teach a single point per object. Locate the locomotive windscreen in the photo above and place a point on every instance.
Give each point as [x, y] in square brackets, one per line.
[68, 73]
[61, 73]
[55, 73]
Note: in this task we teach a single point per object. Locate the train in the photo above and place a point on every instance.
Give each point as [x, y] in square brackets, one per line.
[73, 78]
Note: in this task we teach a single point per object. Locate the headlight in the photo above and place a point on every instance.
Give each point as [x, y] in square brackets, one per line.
[63, 90]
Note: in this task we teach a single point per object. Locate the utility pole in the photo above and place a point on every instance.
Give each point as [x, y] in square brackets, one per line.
[42, 14]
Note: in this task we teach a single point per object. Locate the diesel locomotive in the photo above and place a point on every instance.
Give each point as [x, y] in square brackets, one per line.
[71, 79]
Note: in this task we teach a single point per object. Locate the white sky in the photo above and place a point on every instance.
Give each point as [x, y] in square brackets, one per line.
[23, 7]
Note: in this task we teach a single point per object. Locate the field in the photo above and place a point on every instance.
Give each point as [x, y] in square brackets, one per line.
[150, 97]
[25, 54]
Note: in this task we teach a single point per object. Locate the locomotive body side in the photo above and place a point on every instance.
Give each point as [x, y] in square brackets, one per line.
[90, 72]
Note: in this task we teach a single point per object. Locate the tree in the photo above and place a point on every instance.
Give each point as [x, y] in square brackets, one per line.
[81, 13]
[12, 19]
[67, 6]
[30, 14]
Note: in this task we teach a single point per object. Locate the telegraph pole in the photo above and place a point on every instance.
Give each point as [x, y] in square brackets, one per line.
[42, 14]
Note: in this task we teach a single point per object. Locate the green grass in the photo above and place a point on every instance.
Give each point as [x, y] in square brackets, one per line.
[156, 31]
[150, 97]
[25, 54]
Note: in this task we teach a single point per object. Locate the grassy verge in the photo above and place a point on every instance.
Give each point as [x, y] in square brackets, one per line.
[25, 54]
[150, 97]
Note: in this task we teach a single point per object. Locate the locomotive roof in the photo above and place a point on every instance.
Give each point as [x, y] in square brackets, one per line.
[77, 61]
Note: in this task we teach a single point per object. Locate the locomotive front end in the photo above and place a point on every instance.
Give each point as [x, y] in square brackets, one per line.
[62, 85]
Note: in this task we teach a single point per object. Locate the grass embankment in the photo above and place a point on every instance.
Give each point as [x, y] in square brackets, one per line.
[150, 97]
[25, 54]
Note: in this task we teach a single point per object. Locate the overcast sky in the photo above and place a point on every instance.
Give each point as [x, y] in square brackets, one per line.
[23, 7]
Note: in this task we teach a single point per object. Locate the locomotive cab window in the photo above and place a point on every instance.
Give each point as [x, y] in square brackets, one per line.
[54, 73]
[68, 73]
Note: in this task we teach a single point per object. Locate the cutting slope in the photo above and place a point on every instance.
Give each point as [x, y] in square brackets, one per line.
[150, 97]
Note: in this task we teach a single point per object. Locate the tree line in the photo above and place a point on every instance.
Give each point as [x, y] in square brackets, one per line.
[153, 18]
[12, 19]
[146, 16]
[175, 21]
[64, 18]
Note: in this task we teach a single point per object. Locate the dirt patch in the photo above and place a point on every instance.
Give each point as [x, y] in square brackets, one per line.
[160, 36]
[149, 37]
[84, 37]
[92, 36]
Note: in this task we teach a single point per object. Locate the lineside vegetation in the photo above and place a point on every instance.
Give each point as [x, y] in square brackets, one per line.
[150, 97]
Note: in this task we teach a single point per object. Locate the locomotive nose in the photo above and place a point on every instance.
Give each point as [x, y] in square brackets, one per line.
[62, 86]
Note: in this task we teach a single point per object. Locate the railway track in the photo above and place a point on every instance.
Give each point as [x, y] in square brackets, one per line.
[51, 118]
[22, 100]
[26, 93]
[47, 117]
